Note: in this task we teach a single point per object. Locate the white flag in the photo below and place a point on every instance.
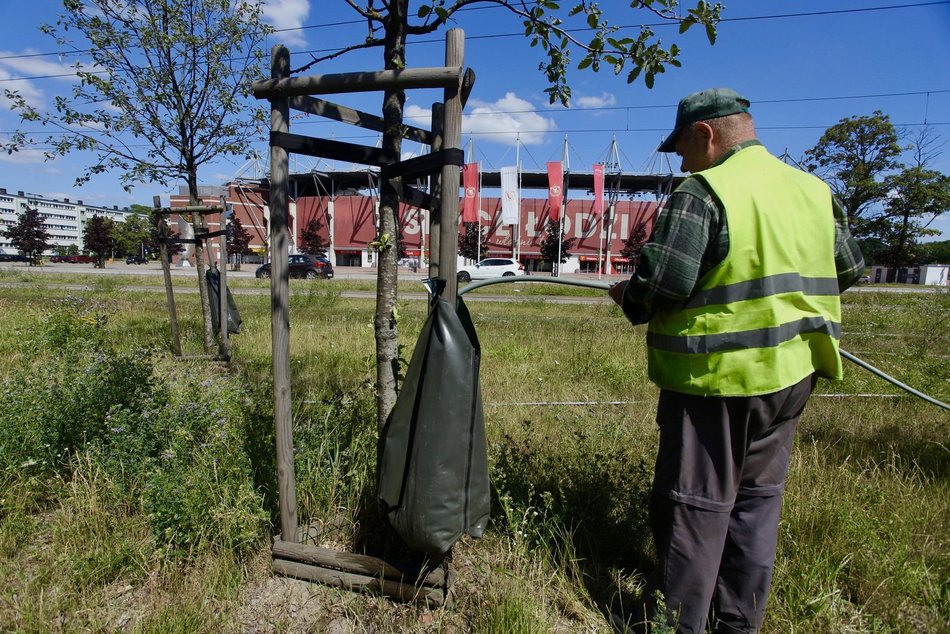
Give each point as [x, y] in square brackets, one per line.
[510, 196]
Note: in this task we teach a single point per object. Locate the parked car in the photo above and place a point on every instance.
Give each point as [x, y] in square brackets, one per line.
[73, 259]
[136, 259]
[301, 265]
[490, 267]
[12, 257]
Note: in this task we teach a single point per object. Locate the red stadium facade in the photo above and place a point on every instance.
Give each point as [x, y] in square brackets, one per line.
[348, 223]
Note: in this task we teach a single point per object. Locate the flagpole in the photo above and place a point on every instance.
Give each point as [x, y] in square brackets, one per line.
[516, 228]
[600, 237]
[612, 197]
[478, 201]
[566, 166]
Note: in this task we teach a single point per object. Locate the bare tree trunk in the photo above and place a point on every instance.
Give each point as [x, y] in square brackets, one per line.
[200, 230]
[385, 327]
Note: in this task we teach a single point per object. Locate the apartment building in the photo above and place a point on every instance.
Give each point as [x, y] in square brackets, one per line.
[64, 219]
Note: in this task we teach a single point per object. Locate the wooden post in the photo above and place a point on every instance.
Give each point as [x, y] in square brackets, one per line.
[449, 226]
[161, 228]
[224, 344]
[435, 190]
[280, 306]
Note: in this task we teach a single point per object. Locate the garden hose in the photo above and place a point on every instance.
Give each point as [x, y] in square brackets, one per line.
[606, 286]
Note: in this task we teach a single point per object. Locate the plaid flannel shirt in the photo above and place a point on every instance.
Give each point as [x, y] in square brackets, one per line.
[690, 237]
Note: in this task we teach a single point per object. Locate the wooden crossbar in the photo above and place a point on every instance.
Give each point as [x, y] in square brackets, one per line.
[424, 165]
[439, 77]
[335, 150]
[336, 112]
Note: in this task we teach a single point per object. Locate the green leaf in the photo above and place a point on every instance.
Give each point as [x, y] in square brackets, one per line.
[686, 23]
[423, 11]
[711, 33]
[585, 63]
[648, 80]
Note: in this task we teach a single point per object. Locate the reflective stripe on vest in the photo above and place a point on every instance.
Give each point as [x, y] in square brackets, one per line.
[769, 314]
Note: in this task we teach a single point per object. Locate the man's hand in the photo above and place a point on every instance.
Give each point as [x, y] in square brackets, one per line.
[616, 292]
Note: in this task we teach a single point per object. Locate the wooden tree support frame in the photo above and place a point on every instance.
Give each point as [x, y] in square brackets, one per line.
[359, 572]
[158, 216]
[290, 556]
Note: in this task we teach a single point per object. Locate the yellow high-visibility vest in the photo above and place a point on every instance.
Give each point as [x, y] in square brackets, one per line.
[769, 314]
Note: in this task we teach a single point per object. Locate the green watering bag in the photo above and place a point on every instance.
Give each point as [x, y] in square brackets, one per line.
[214, 299]
[432, 457]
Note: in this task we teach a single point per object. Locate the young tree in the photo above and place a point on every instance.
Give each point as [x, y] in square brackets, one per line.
[853, 157]
[312, 241]
[472, 243]
[633, 244]
[239, 241]
[164, 92]
[546, 26]
[549, 246]
[97, 239]
[29, 235]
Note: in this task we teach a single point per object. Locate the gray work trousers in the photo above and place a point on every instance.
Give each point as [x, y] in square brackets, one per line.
[714, 510]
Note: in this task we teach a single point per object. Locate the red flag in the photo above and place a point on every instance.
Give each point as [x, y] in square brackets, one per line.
[470, 183]
[598, 188]
[555, 189]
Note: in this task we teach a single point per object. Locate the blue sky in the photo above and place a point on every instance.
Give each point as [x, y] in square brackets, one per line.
[804, 65]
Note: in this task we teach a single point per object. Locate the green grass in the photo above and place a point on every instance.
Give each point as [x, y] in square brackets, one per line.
[863, 540]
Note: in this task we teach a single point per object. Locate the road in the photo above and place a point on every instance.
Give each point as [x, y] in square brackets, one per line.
[345, 273]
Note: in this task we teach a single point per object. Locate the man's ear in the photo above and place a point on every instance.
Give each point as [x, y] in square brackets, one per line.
[704, 130]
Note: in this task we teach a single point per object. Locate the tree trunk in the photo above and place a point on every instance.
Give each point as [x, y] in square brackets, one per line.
[200, 230]
[385, 327]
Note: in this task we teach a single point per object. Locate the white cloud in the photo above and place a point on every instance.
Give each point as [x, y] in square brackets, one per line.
[25, 155]
[605, 100]
[504, 121]
[287, 14]
[14, 64]
[34, 66]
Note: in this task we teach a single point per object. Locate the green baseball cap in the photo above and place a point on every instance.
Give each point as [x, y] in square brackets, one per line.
[705, 104]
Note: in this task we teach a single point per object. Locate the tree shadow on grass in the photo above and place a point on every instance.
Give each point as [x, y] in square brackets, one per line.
[916, 437]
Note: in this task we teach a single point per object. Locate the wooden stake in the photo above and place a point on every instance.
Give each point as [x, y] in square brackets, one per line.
[280, 306]
[449, 227]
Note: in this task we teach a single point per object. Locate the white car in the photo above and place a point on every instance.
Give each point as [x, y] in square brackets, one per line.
[489, 268]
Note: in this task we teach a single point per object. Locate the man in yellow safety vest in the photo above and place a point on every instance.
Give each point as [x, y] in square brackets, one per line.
[740, 285]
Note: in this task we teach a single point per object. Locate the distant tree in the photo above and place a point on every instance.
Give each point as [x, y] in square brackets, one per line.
[872, 248]
[312, 241]
[853, 157]
[133, 235]
[29, 235]
[472, 245]
[239, 241]
[97, 239]
[935, 252]
[549, 246]
[633, 244]
[916, 196]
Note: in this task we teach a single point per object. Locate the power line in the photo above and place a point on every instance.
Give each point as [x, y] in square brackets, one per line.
[633, 26]
[777, 16]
